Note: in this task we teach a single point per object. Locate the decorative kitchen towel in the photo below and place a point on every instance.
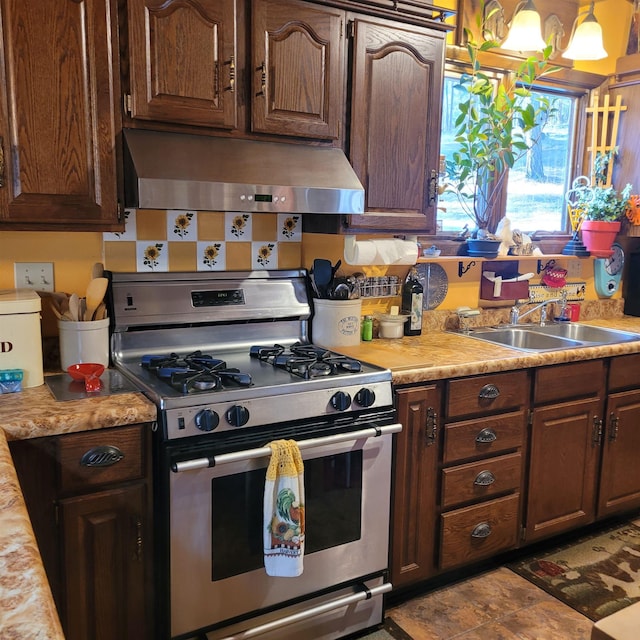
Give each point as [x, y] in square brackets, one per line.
[284, 511]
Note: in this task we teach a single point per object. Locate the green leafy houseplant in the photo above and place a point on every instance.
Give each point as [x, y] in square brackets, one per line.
[496, 126]
[600, 203]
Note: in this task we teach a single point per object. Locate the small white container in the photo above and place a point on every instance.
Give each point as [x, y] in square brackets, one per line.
[20, 334]
[84, 342]
[336, 323]
[391, 326]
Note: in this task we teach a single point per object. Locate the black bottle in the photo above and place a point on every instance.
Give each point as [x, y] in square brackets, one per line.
[412, 293]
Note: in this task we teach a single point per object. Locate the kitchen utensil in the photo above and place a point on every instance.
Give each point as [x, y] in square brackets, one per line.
[95, 294]
[322, 275]
[100, 312]
[97, 271]
[74, 307]
[89, 372]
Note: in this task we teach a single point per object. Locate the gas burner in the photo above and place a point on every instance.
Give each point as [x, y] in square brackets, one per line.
[194, 372]
[306, 360]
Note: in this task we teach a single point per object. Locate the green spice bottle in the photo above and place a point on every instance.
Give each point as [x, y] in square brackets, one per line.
[412, 293]
[367, 329]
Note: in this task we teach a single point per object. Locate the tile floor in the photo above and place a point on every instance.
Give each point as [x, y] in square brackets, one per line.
[495, 605]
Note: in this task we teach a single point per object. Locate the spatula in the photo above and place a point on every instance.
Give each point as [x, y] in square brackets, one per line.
[95, 293]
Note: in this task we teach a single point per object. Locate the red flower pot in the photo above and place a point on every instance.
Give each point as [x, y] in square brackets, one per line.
[598, 236]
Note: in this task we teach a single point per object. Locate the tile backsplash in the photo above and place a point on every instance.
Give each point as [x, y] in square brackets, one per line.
[171, 240]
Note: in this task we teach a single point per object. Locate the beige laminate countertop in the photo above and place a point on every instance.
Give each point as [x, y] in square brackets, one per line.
[26, 605]
[438, 355]
[27, 609]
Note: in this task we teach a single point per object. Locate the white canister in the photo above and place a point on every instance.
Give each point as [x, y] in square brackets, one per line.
[20, 334]
[336, 323]
[84, 342]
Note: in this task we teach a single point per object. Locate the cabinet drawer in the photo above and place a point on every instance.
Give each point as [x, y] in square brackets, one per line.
[488, 436]
[487, 394]
[624, 372]
[480, 480]
[479, 531]
[99, 457]
[567, 381]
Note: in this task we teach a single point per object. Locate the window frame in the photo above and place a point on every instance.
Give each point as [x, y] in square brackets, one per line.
[566, 82]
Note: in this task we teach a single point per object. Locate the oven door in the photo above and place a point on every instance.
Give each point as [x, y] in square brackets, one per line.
[217, 571]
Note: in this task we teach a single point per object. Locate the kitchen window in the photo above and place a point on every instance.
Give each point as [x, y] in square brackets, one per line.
[536, 184]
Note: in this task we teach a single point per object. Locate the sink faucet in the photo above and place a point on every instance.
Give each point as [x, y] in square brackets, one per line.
[516, 316]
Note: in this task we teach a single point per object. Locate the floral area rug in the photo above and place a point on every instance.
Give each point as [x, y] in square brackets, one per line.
[597, 575]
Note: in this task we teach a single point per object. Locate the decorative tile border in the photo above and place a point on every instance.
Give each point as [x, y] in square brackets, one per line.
[175, 240]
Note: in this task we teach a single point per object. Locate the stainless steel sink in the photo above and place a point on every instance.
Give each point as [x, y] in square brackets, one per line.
[586, 333]
[551, 337]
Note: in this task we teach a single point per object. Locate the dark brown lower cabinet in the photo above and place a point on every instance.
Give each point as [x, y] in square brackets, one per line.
[103, 559]
[93, 527]
[413, 513]
[565, 452]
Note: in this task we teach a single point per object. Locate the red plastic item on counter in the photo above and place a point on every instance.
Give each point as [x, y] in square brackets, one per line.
[89, 372]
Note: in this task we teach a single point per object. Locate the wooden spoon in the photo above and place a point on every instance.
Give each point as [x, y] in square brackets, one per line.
[97, 271]
[74, 307]
[95, 293]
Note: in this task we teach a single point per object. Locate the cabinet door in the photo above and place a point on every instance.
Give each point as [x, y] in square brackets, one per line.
[395, 124]
[298, 69]
[565, 451]
[415, 483]
[183, 61]
[103, 564]
[58, 119]
[620, 474]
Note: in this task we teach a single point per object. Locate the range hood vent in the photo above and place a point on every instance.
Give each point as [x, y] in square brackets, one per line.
[166, 170]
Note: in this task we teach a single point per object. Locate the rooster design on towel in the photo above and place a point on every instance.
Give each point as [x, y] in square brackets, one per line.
[287, 524]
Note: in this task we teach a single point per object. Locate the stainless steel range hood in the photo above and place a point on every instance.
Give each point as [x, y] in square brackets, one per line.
[166, 170]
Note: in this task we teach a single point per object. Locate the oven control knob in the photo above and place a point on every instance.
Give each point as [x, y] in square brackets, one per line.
[341, 401]
[237, 416]
[365, 397]
[207, 420]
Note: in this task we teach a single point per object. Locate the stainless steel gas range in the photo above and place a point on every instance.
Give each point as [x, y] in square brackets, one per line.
[226, 358]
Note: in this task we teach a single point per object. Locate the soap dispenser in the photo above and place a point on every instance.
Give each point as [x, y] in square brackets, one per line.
[412, 293]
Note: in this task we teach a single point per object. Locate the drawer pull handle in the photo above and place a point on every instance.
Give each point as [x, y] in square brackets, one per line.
[486, 436]
[484, 479]
[103, 456]
[489, 392]
[482, 530]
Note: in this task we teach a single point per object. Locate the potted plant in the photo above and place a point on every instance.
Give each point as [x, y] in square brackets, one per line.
[602, 207]
[498, 124]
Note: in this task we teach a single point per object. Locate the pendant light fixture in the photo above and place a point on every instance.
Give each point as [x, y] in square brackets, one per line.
[525, 32]
[586, 39]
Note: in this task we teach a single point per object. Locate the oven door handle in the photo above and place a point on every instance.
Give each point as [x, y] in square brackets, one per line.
[365, 594]
[263, 452]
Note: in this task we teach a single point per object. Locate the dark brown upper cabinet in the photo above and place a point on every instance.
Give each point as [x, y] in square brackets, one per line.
[298, 69]
[183, 62]
[58, 117]
[396, 95]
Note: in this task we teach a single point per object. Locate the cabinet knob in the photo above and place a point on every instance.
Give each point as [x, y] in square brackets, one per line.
[103, 456]
[486, 436]
[489, 392]
[596, 433]
[482, 530]
[484, 478]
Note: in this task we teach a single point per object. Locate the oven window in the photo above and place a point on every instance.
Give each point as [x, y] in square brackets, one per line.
[333, 496]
